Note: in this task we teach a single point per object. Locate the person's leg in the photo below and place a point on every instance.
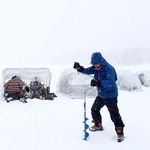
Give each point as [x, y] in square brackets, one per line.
[115, 116]
[95, 112]
[21, 97]
[9, 97]
[17, 95]
[114, 112]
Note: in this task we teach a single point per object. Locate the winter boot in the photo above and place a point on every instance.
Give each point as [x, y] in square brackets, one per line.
[8, 99]
[120, 134]
[96, 127]
[23, 100]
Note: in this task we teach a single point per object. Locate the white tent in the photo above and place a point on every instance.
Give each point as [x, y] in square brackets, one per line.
[128, 80]
[28, 74]
[144, 77]
[74, 84]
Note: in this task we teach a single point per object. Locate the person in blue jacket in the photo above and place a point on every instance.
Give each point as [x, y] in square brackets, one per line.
[105, 79]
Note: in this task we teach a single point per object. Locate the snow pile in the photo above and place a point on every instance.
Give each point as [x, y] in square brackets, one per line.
[129, 81]
[75, 84]
[144, 77]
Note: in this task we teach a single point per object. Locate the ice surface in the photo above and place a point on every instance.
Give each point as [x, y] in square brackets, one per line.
[41, 125]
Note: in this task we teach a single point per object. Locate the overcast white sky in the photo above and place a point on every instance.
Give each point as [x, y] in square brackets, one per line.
[43, 32]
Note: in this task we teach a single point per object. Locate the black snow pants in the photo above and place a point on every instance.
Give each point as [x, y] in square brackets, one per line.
[111, 104]
[15, 95]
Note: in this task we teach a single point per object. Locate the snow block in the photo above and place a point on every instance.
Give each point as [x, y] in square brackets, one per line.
[74, 84]
[128, 81]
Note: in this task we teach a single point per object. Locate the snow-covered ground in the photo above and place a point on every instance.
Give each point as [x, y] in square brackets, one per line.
[45, 125]
[43, 33]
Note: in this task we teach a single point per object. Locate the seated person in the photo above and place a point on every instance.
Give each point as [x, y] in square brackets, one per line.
[36, 89]
[14, 88]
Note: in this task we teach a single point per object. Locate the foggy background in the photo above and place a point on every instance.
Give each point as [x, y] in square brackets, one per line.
[39, 33]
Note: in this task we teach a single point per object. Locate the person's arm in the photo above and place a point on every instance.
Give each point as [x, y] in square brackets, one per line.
[89, 70]
[7, 84]
[78, 67]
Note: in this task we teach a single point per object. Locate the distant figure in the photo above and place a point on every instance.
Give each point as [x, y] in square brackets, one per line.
[14, 89]
[105, 80]
[36, 89]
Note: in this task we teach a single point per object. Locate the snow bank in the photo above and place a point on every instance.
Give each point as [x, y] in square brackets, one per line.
[144, 77]
[128, 80]
[74, 84]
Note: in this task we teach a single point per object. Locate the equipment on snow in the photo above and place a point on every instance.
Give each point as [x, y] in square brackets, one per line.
[36, 84]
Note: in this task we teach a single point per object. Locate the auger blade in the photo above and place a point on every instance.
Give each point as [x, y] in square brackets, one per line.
[86, 135]
[86, 126]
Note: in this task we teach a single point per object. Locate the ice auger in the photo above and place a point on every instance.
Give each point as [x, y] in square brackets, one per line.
[86, 126]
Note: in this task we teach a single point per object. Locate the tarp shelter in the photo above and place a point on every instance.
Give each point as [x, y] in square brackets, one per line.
[74, 84]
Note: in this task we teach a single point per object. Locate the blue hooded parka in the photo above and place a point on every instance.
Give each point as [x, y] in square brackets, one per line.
[106, 77]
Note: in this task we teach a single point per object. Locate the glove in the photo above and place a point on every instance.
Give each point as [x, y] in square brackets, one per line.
[78, 67]
[95, 83]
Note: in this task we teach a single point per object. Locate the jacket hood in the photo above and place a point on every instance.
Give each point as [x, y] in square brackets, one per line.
[97, 58]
